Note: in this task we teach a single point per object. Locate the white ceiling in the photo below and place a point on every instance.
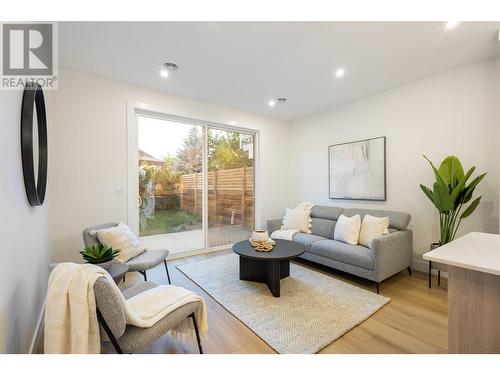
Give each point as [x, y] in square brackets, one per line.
[244, 64]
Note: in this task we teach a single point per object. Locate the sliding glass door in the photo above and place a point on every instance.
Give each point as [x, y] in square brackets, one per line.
[196, 184]
[230, 186]
[170, 194]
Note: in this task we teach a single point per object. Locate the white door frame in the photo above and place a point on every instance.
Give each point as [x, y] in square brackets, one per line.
[134, 109]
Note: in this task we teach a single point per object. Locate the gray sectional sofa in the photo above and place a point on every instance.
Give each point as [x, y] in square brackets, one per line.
[388, 255]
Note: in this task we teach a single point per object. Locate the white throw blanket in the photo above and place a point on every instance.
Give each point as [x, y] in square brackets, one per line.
[284, 234]
[287, 234]
[71, 324]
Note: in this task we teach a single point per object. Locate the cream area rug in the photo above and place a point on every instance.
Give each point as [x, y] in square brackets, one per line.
[313, 311]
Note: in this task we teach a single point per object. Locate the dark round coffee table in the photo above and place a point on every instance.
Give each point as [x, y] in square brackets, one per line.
[267, 267]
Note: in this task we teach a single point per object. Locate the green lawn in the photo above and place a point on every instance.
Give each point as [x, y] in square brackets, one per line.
[171, 221]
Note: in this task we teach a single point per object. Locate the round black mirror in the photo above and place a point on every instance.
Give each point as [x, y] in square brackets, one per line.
[34, 103]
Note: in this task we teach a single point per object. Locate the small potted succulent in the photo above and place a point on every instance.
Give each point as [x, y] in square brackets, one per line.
[100, 254]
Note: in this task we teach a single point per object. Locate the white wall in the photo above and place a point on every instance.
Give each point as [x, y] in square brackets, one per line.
[454, 113]
[24, 233]
[88, 149]
[496, 99]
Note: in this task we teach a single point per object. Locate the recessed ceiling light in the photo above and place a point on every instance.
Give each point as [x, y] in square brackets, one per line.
[340, 72]
[451, 25]
[168, 67]
[273, 102]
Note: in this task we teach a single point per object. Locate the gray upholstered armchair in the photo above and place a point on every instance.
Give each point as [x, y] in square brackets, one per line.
[131, 339]
[141, 263]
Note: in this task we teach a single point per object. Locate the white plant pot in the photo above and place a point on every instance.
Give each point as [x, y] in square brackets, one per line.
[260, 235]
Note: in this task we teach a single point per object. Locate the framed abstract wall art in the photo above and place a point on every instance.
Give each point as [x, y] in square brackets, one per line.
[357, 170]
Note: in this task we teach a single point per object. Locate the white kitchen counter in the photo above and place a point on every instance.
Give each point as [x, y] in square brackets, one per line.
[473, 292]
[474, 251]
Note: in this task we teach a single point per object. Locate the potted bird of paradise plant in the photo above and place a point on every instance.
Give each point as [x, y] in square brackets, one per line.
[451, 194]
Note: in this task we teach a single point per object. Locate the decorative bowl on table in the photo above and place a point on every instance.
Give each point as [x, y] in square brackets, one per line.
[260, 241]
[260, 235]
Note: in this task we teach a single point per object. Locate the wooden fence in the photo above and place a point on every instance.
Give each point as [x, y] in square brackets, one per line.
[230, 195]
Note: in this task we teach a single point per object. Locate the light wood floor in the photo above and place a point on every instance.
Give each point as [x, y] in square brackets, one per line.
[415, 321]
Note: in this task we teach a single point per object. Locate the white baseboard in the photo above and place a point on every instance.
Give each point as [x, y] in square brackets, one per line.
[185, 254]
[417, 264]
[37, 336]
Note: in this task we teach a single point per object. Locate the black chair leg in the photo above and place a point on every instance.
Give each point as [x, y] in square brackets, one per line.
[143, 273]
[166, 268]
[430, 273]
[378, 287]
[108, 331]
[409, 270]
[439, 277]
[197, 332]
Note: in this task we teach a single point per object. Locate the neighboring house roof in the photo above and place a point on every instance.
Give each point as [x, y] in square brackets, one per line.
[144, 156]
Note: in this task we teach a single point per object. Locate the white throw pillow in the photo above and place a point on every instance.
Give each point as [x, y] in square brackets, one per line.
[372, 227]
[347, 229]
[298, 218]
[121, 238]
